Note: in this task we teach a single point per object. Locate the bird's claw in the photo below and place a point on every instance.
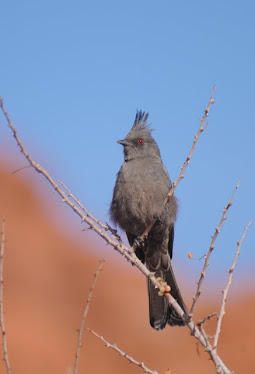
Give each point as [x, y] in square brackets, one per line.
[139, 242]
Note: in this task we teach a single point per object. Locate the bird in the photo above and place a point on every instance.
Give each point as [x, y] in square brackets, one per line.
[139, 199]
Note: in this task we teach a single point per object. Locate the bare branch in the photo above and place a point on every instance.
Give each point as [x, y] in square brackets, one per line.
[211, 248]
[207, 318]
[128, 253]
[204, 334]
[80, 331]
[201, 326]
[123, 354]
[85, 217]
[220, 367]
[6, 358]
[225, 292]
[184, 166]
[106, 227]
[201, 129]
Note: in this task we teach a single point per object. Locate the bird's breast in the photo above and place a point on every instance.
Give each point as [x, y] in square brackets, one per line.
[139, 195]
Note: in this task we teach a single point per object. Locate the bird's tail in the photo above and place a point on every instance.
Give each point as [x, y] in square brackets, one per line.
[160, 311]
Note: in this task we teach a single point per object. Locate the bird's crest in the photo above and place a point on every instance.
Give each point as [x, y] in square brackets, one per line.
[140, 124]
[141, 120]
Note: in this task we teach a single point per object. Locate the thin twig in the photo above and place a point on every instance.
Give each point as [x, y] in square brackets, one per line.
[22, 168]
[201, 129]
[203, 332]
[106, 227]
[211, 248]
[207, 318]
[80, 331]
[201, 336]
[184, 166]
[128, 253]
[123, 354]
[201, 326]
[6, 358]
[225, 292]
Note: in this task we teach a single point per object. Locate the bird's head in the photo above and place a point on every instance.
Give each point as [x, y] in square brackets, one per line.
[139, 143]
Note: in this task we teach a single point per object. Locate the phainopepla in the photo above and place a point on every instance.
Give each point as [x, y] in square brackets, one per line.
[138, 200]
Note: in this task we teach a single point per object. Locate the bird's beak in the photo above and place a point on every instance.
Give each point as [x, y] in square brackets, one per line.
[123, 142]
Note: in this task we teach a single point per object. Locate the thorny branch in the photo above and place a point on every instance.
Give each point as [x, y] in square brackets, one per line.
[123, 354]
[118, 245]
[211, 248]
[200, 130]
[207, 318]
[184, 166]
[6, 358]
[101, 224]
[80, 331]
[225, 292]
[201, 323]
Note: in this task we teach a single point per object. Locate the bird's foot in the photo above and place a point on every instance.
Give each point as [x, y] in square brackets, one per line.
[139, 242]
[163, 288]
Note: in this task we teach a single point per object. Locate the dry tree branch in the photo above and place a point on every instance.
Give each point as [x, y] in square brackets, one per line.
[104, 226]
[184, 166]
[118, 245]
[80, 331]
[225, 292]
[207, 318]
[85, 218]
[211, 248]
[6, 358]
[125, 355]
[96, 220]
[201, 129]
[201, 323]
[40, 170]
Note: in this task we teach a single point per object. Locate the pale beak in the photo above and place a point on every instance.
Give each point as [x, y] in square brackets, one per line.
[123, 142]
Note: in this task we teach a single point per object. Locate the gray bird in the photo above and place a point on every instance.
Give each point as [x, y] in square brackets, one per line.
[138, 200]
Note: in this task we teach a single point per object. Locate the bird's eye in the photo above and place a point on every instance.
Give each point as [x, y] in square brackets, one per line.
[140, 141]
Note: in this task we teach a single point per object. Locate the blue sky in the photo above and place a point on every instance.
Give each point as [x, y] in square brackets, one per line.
[74, 73]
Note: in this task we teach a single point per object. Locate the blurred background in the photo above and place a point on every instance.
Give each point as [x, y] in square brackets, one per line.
[72, 77]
